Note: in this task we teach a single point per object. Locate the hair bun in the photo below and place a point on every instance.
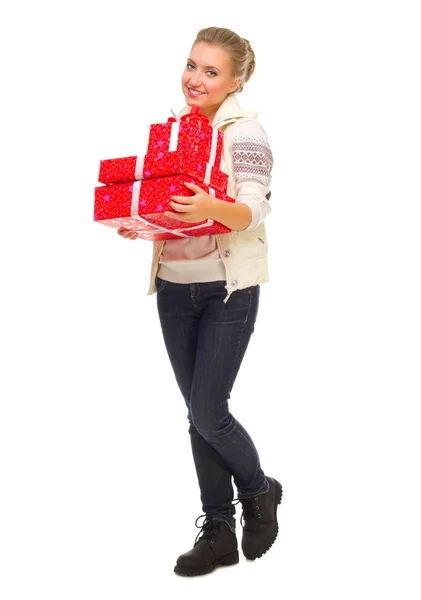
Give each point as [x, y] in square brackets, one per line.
[238, 48]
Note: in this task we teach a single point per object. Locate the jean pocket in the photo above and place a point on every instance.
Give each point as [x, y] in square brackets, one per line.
[159, 284]
[221, 283]
[247, 290]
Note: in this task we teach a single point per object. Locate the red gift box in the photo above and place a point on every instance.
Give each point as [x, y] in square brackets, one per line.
[139, 206]
[191, 134]
[160, 164]
[190, 146]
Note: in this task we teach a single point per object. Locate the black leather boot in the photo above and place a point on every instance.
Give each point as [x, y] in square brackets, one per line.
[216, 547]
[260, 529]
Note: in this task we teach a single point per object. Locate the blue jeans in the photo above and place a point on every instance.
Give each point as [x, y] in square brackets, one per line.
[206, 341]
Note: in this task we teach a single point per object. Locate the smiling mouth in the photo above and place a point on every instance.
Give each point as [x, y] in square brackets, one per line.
[195, 92]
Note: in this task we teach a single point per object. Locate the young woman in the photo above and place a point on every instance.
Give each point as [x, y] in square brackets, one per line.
[208, 296]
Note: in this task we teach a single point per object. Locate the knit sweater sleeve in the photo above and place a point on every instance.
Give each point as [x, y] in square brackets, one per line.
[252, 163]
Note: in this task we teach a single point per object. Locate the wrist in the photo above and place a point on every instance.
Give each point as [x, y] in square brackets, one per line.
[213, 207]
[235, 216]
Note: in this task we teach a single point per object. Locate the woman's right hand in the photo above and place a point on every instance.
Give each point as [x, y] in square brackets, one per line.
[126, 233]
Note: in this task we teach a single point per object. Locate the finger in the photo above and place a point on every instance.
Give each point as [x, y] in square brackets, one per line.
[183, 199]
[180, 207]
[127, 234]
[193, 186]
[174, 216]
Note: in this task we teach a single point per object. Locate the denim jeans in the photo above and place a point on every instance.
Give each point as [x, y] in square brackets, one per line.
[206, 341]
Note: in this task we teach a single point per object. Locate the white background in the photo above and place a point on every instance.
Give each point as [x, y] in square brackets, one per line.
[99, 493]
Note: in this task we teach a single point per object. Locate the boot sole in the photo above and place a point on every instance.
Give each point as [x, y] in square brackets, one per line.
[223, 561]
[260, 553]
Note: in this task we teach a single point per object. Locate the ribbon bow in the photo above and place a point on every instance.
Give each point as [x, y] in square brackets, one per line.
[193, 114]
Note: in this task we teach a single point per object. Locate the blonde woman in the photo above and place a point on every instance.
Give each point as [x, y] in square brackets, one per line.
[208, 297]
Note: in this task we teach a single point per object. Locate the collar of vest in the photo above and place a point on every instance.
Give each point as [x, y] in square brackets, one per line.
[228, 112]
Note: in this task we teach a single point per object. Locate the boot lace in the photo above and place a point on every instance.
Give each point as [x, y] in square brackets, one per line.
[250, 510]
[208, 529]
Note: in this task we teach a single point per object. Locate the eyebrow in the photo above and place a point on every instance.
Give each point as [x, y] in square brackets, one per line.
[208, 67]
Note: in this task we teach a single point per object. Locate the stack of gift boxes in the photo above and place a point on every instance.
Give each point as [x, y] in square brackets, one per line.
[137, 190]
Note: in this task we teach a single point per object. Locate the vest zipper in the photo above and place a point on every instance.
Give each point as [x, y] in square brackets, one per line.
[229, 293]
[227, 271]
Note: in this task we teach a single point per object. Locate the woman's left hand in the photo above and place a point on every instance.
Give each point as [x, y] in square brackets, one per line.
[192, 208]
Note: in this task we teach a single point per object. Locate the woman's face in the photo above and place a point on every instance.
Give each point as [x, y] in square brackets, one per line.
[208, 78]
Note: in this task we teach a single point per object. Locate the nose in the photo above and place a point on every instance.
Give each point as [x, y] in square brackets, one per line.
[195, 80]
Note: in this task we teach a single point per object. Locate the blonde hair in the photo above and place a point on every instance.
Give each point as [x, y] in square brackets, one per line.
[238, 48]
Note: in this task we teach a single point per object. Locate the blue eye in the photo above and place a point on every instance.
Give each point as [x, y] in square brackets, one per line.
[190, 67]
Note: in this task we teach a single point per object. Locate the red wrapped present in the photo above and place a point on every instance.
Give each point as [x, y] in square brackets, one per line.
[160, 164]
[190, 146]
[139, 206]
[191, 134]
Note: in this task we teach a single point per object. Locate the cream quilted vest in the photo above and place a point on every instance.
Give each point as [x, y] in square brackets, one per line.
[243, 253]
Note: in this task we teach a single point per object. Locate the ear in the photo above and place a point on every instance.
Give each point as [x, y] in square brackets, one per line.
[234, 85]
